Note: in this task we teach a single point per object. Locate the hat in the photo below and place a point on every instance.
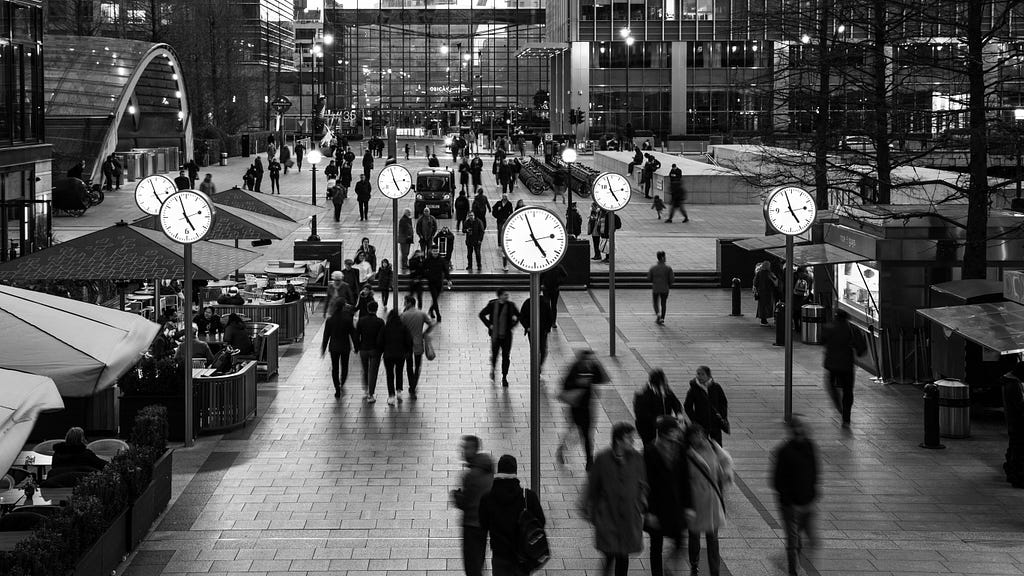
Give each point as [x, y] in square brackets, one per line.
[507, 464]
[233, 290]
[337, 275]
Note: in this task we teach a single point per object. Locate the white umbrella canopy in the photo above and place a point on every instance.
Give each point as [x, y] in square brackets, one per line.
[84, 348]
[23, 397]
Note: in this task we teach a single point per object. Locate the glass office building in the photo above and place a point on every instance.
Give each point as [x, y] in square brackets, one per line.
[435, 64]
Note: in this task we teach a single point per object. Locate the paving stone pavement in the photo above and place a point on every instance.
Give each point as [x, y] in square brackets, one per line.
[319, 486]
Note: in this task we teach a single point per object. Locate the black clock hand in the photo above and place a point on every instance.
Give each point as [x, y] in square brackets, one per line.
[185, 214]
[612, 192]
[395, 180]
[534, 238]
[790, 204]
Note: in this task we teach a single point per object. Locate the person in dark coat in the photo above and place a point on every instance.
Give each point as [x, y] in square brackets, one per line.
[652, 402]
[502, 210]
[499, 516]
[236, 335]
[677, 194]
[474, 231]
[337, 290]
[476, 481]
[842, 342]
[461, 210]
[435, 272]
[385, 280]
[661, 277]
[337, 196]
[331, 170]
[286, 157]
[433, 162]
[164, 343]
[578, 391]
[395, 343]
[574, 222]
[481, 207]
[795, 481]
[705, 404]
[339, 334]
[274, 168]
[77, 171]
[765, 285]
[708, 472]
[257, 168]
[181, 181]
[107, 168]
[363, 197]
[367, 164]
[300, 150]
[72, 454]
[463, 176]
[426, 228]
[345, 178]
[500, 315]
[367, 337]
[208, 322]
[665, 517]
[476, 170]
[416, 277]
[546, 322]
[616, 500]
[551, 282]
[638, 159]
[594, 228]
[405, 236]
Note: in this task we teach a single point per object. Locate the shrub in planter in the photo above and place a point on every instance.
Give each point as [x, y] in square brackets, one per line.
[134, 468]
[154, 378]
[150, 429]
[109, 487]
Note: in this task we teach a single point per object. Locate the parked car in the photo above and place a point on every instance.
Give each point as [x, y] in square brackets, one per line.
[434, 190]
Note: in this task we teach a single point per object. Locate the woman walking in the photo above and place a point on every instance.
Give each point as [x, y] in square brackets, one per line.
[664, 462]
[652, 402]
[385, 276]
[706, 404]
[578, 393]
[257, 167]
[708, 470]
[395, 341]
[338, 337]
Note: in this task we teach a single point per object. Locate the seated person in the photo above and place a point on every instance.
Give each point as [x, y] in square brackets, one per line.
[164, 343]
[72, 455]
[236, 335]
[208, 322]
[291, 295]
[200, 349]
[232, 298]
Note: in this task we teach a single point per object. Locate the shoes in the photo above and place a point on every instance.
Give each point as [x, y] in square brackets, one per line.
[560, 457]
[504, 382]
[399, 398]
[391, 400]
[337, 392]
[686, 220]
[596, 258]
[659, 321]
[438, 317]
[370, 399]
[478, 269]
[605, 261]
[668, 221]
[412, 395]
[492, 374]
[505, 269]
[469, 268]
[764, 322]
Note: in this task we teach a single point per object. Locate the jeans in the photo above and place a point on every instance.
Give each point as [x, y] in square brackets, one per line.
[472, 249]
[259, 181]
[413, 363]
[681, 208]
[620, 561]
[405, 246]
[339, 357]
[841, 381]
[797, 520]
[714, 559]
[505, 345]
[385, 295]
[371, 365]
[543, 346]
[393, 369]
[275, 184]
[657, 545]
[597, 245]
[474, 548]
[364, 209]
[660, 299]
[416, 290]
[337, 212]
[435, 297]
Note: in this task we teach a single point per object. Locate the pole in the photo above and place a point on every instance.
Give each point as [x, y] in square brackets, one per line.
[189, 440]
[313, 236]
[395, 265]
[535, 382]
[789, 328]
[611, 283]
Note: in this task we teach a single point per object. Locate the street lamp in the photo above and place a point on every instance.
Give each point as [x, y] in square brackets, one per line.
[568, 156]
[627, 37]
[314, 157]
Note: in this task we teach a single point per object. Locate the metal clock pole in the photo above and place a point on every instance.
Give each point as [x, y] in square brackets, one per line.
[395, 264]
[535, 381]
[611, 283]
[189, 440]
[789, 328]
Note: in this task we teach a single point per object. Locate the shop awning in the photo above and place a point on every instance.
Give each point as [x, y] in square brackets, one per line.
[997, 326]
[761, 243]
[818, 254]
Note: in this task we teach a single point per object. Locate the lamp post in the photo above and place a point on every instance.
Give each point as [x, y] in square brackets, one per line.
[568, 156]
[627, 37]
[313, 157]
[328, 40]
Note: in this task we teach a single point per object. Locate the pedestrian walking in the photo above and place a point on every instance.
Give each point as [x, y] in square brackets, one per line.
[500, 316]
[351, 275]
[363, 197]
[481, 207]
[661, 278]
[573, 221]
[658, 205]
[803, 285]
[463, 175]
[419, 325]
[616, 500]
[367, 164]
[474, 231]
[795, 480]
[406, 151]
[384, 279]
[663, 461]
[118, 171]
[339, 334]
[594, 228]
[405, 236]
[274, 168]
[705, 404]
[337, 196]
[765, 285]
[501, 514]
[435, 272]
[416, 277]
[502, 210]
[367, 338]
[444, 243]
[395, 343]
[544, 328]
[842, 341]
[602, 225]
[433, 162]
[300, 151]
[551, 283]
[708, 472]
[365, 270]
[476, 481]
[345, 177]
[578, 391]
[426, 228]
[207, 186]
[257, 166]
[476, 170]
[461, 210]
[107, 168]
[286, 158]
[181, 182]
[652, 402]
[677, 194]
[338, 290]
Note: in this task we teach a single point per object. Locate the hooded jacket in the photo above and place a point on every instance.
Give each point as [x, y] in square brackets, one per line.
[499, 513]
[476, 481]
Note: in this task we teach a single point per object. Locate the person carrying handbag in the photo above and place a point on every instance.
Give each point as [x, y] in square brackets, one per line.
[707, 406]
[708, 471]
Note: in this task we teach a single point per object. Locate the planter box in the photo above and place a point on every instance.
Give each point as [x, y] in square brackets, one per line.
[107, 552]
[130, 405]
[144, 511]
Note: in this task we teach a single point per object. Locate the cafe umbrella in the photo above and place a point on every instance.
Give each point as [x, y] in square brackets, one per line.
[23, 396]
[265, 204]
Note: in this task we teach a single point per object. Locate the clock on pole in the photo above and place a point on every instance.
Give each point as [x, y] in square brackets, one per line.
[151, 192]
[611, 191]
[395, 182]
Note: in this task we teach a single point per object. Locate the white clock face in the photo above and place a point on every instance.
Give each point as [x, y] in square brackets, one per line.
[790, 210]
[151, 193]
[187, 216]
[533, 239]
[612, 191]
[394, 181]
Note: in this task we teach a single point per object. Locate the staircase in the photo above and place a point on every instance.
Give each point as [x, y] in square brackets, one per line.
[702, 279]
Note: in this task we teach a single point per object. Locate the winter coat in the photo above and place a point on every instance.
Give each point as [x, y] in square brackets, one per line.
[461, 207]
[363, 191]
[574, 226]
[661, 277]
[426, 227]
[709, 409]
[764, 290]
[616, 499]
[474, 230]
[339, 332]
[501, 211]
[435, 271]
[394, 340]
[795, 473]
[546, 322]
[841, 341]
[711, 462]
[476, 481]
[490, 314]
[345, 176]
[367, 333]
[499, 513]
[648, 405]
[666, 478]
[385, 276]
[405, 235]
[75, 456]
[481, 207]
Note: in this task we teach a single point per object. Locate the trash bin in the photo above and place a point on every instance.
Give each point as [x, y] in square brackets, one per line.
[812, 320]
[223, 158]
[954, 409]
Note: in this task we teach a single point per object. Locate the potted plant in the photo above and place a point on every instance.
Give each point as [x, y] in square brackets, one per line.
[148, 465]
[154, 382]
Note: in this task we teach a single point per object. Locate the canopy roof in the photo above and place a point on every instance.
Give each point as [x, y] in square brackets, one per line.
[236, 224]
[997, 326]
[84, 348]
[817, 254]
[265, 204]
[23, 397]
[123, 252]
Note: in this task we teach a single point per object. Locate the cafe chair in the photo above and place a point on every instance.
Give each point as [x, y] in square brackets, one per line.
[19, 474]
[18, 521]
[7, 482]
[107, 448]
[46, 447]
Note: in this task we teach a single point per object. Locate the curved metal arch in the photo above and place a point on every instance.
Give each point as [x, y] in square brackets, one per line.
[109, 145]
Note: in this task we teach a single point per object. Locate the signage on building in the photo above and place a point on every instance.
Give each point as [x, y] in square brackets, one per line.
[281, 104]
[447, 89]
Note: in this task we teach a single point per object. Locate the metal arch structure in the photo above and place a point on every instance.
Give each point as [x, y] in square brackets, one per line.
[90, 83]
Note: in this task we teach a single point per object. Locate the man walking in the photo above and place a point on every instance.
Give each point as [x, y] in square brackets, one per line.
[300, 151]
[661, 278]
[677, 194]
[405, 236]
[841, 342]
[500, 315]
[551, 282]
[545, 324]
[415, 320]
[435, 272]
[481, 207]
[795, 480]
[367, 164]
[426, 228]
[474, 230]
[363, 197]
[182, 182]
[500, 509]
[366, 339]
[476, 481]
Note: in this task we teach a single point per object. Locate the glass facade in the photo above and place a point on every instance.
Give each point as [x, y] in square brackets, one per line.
[21, 74]
[435, 64]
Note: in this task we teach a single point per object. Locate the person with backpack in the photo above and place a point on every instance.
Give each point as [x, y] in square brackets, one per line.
[616, 500]
[512, 518]
[841, 342]
[707, 472]
[476, 481]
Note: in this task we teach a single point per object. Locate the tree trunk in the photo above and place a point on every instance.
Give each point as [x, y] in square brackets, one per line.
[880, 89]
[975, 258]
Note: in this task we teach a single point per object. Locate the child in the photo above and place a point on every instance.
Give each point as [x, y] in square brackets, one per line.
[658, 205]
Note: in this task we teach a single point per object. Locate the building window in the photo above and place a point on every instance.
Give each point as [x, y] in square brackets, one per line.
[751, 54]
[110, 12]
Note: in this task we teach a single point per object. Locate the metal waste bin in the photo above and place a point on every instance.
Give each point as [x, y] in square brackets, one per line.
[954, 409]
[812, 321]
[223, 158]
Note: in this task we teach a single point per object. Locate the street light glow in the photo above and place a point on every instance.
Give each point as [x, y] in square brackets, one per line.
[328, 39]
[630, 41]
[625, 32]
[314, 157]
[806, 39]
[444, 48]
[569, 155]
[841, 29]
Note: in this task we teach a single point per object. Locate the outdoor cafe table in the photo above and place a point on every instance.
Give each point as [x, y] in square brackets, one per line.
[15, 497]
[40, 462]
[296, 270]
[289, 316]
[139, 297]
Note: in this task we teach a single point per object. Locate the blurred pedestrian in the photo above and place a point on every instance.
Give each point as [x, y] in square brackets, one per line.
[652, 402]
[501, 510]
[706, 405]
[405, 236]
[435, 272]
[337, 290]
[551, 282]
[300, 151]
[765, 285]
[476, 481]
[708, 472]
[500, 316]
[544, 328]
[842, 341]
[207, 186]
[616, 500]
[577, 394]
[661, 277]
[677, 194]
[366, 341]
[395, 343]
[594, 228]
[795, 480]
[665, 514]
[461, 210]
[416, 277]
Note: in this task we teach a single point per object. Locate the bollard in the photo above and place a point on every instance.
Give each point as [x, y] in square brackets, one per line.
[780, 324]
[737, 293]
[931, 418]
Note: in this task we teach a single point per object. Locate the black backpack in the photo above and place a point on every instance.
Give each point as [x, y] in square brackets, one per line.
[532, 547]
